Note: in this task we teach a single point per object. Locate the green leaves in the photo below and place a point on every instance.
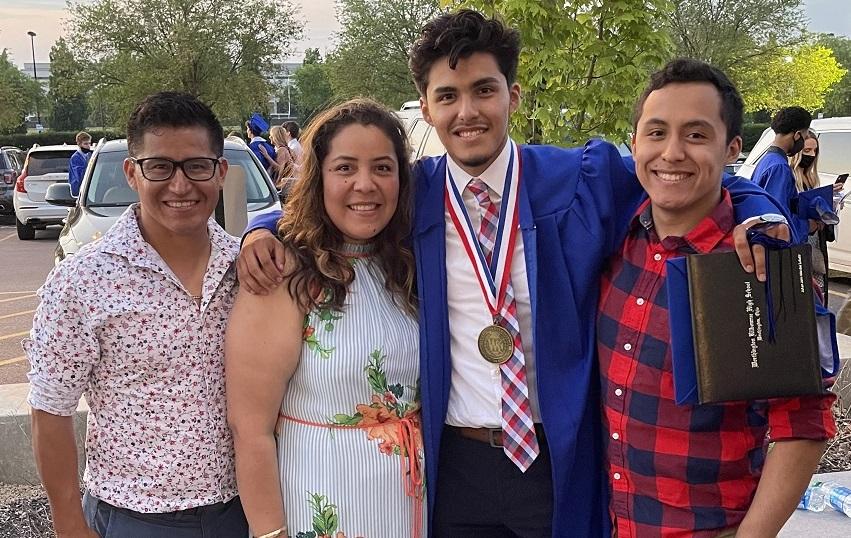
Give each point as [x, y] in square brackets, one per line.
[325, 519]
[217, 50]
[18, 94]
[582, 65]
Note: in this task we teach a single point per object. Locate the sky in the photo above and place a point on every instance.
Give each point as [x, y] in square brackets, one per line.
[45, 18]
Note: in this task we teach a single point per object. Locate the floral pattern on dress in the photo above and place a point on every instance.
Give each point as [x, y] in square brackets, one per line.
[380, 418]
[325, 317]
[325, 519]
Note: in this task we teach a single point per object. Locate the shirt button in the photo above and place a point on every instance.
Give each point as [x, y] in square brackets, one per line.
[616, 436]
[627, 346]
[639, 301]
[657, 256]
[618, 392]
[617, 476]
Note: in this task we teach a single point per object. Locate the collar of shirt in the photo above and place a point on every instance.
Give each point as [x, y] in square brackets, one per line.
[703, 238]
[777, 150]
[493, 176]
[127, 241]
[257, 139]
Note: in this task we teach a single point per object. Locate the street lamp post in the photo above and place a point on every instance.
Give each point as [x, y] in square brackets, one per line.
[35, 75]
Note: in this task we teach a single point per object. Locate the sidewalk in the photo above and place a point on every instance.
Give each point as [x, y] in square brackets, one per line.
[827, 524]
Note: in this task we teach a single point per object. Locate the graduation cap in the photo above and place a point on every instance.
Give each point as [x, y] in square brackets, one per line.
[257, 124]
[817, 204]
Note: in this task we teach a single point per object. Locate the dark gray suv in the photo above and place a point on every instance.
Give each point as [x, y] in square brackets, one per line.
[11, 164]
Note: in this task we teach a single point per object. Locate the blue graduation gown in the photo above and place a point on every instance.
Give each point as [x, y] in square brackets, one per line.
[76, 169]
[255, 144]
[575, 206]
[773, 174]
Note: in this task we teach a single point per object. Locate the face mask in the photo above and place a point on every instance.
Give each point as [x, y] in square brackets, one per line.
[86, 150]
[806, 161]
[797, 146]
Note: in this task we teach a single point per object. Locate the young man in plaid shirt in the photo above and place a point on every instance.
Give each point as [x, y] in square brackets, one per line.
[700, 471]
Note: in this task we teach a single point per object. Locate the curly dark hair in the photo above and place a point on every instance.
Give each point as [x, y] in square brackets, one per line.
[173, 109]
[459, 35]
[791, 119]
[316, 244]
[683, 70]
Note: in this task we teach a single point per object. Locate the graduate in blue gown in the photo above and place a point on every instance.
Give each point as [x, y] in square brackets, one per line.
[254, 127]
[773, 172]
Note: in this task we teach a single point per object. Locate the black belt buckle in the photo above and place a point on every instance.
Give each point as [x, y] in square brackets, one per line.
[492, 439]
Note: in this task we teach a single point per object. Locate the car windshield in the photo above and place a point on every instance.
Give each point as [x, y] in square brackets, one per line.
[48, 162]
[108, 187]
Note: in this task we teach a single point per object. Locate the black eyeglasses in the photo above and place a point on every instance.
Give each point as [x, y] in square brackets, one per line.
[162, 169]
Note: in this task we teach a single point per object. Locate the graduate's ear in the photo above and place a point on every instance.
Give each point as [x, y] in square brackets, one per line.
[734, 149]
[425, 110]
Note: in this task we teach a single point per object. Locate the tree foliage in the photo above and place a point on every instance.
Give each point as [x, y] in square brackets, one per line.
[371, 57]
[582, 65]
[66, 97]
[18, 95]
[800, 77]
[217, 50]
[838, 100]
[312, 88]
[747, 39]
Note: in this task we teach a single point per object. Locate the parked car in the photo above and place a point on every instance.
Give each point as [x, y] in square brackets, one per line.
[105, 194]
[11, 164]
[44, 166]
[834, 136]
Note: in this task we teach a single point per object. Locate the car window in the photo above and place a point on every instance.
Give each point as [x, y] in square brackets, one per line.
[433, 147]
[108, 186]
[15, 159]
[418, 130]
[5, 164]
[833, 157]
[48, 162]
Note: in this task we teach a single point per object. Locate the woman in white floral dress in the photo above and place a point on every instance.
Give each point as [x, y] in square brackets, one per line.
[322, 374]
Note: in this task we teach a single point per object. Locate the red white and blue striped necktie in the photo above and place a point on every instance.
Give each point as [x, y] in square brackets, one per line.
[518, 431]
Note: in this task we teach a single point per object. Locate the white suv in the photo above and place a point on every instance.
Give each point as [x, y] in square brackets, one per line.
[834, 138]
[44, 166]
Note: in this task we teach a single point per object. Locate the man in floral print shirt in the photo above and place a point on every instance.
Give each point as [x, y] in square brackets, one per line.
[136, 322]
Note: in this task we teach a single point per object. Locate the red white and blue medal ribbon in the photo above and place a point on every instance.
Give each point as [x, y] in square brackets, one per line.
[493, 279]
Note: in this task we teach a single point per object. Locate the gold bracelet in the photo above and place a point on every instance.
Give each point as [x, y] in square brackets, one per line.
[273, 534]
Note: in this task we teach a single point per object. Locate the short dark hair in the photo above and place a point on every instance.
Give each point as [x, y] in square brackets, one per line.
[292, 128]
[685, 70]
[791, 119]
[459, 35]
[172, 109]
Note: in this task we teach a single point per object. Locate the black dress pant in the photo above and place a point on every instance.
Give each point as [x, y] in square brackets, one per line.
[482, 494]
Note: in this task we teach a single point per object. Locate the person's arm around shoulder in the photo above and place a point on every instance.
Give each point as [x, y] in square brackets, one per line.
[260, 266]
[262, 350]
[800, 428]
[62, 350]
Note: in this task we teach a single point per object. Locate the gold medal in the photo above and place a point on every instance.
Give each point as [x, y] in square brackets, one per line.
[496, 344]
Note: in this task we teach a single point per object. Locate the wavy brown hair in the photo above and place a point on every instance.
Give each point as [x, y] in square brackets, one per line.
[316, 244]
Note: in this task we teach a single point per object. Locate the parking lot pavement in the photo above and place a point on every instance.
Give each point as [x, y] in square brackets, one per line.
[23, 267]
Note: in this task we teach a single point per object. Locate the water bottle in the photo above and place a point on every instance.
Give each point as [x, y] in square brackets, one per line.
[839, 497]
[813, 499]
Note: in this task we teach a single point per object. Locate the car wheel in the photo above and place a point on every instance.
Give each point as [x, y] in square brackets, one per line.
[25, 231]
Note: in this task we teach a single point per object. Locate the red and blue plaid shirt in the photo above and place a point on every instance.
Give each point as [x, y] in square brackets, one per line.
[678, 470]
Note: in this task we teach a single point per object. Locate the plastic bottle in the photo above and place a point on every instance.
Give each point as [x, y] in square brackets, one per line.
[838, 496]
[813, 499]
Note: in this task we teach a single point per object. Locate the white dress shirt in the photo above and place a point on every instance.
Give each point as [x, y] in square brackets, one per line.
[475, 395]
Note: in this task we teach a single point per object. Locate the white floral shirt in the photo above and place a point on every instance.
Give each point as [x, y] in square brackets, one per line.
[116, 324]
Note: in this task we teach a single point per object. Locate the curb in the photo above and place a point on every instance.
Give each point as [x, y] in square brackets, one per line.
[16, 459]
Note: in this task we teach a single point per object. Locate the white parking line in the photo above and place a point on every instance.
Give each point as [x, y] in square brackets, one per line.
[13, 361]
[7, 237]
[13, 335]
[17, 314]
[18, 298]
[15, 292]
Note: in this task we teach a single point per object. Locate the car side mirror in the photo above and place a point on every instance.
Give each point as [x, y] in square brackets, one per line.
[60, 194]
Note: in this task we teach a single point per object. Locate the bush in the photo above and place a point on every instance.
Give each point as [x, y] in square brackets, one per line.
[49, 138]
[751, 133]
